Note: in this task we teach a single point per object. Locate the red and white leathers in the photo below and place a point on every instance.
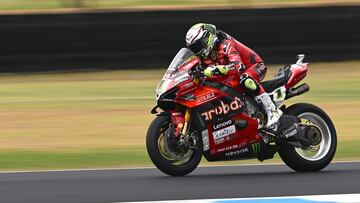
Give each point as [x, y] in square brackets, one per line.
[230, 57]
[237, 58]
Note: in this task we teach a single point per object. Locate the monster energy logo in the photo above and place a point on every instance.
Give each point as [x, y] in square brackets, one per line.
[256, 148]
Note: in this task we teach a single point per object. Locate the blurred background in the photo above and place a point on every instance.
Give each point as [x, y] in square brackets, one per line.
[27, 5]
[77, 77]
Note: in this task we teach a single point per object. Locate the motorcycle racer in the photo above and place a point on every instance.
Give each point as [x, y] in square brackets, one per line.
[225, 56]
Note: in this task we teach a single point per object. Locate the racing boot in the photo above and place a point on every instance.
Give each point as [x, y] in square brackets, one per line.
[273, 114]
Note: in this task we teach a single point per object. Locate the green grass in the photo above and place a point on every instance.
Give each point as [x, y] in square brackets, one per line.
[348, 150]
[112, 158]
[99, 119]
[27, 160]
[61, 4]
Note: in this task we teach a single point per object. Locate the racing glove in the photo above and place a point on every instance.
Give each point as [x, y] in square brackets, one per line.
[216, 70]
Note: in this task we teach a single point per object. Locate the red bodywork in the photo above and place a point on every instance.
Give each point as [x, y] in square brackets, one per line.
[195, 95]
[298, 73]
[204, 94]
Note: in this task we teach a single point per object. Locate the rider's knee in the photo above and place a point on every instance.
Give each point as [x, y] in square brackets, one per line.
[249, 84]
[261, 70]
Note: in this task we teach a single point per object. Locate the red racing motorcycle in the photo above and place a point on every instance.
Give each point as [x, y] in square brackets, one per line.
[214, 118]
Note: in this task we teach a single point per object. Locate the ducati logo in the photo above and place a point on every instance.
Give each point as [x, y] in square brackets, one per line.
[223, 109]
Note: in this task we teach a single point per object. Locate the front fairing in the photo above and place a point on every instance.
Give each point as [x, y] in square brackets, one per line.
[177, 73]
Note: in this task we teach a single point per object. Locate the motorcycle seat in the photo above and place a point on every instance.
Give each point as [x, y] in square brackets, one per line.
[281, 77]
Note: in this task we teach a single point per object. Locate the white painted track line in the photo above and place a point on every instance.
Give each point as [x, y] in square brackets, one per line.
[333, 198]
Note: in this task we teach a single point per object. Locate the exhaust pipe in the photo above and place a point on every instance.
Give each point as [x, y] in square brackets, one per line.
[297, 91]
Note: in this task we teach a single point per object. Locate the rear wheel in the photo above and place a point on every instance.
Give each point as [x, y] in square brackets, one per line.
[318, 156]
[164, 152]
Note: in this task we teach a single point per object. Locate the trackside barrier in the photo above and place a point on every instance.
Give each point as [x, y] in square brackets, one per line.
[149, 39]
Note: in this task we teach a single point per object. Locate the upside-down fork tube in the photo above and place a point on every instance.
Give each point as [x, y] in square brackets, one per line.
[187, 119]
[187, 112]
[197, 80]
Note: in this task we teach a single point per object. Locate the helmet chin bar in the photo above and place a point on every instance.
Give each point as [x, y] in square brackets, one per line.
[212, 40]
[205, 53]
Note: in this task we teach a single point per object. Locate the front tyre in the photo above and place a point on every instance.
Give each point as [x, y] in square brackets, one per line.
[316, 157]
[165, 157]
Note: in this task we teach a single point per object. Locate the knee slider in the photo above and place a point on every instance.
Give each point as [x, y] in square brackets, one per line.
[250, 85]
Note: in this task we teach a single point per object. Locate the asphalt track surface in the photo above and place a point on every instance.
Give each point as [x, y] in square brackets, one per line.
[149, 184]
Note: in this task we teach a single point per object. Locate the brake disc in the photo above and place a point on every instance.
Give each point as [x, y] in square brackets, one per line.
[171, 146]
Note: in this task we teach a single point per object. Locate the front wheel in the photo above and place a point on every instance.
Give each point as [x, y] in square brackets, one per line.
[316, 157]
[164, 152]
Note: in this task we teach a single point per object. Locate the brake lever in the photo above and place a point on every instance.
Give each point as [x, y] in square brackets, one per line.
[196, 71]
[192, 72]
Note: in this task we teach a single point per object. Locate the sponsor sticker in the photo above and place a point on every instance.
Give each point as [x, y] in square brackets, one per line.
[237, 152]
[219, 135]
[181, 79]
[187, 85]
[221, 125]
[231, 147]
[205, 98]
[290, 132]
[205, 138]
[223, 109]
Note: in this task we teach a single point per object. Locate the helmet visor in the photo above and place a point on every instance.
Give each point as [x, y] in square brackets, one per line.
[200, 45]
[196, 48]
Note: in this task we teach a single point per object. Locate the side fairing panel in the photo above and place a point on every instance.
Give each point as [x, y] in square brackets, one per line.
[227, 131]
[199, 96]
[223, 137]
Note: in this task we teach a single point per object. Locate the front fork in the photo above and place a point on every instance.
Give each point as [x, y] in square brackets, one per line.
[186, 123]
[180, 122]
[187, 113]
[181, 128]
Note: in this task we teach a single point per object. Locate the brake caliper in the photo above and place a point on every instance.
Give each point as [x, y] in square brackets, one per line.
[178, 120]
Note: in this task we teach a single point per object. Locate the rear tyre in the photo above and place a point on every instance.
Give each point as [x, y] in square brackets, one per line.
[182, 164]
[319, 156]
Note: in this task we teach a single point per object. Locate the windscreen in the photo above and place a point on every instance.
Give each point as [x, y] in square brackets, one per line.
[181, 57]
[172, 74]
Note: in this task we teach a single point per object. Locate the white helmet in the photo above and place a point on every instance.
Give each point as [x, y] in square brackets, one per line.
[201, 39]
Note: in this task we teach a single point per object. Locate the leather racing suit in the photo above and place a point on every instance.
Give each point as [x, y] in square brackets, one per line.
[234, 58]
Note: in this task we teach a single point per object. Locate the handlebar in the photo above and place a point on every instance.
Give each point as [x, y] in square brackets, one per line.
[197, 71]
